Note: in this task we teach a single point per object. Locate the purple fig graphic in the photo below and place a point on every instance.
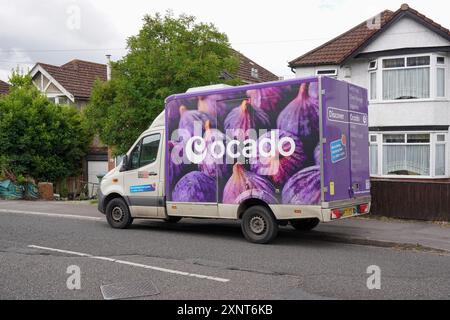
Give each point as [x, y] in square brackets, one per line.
[274, 164]
[317, 155]
[190, 118]
[245, 184]
[245, 117]
[266, 99]
[303, 188]
[173, 112]
[175, 155]
[212, 166]
[195, 187]
[214, 105]
[301, 116]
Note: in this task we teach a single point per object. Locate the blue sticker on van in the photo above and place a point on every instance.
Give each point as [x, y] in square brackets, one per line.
[338, 149]
[143, 188]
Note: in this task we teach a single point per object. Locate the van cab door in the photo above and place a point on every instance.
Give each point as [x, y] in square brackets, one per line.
[142, 180]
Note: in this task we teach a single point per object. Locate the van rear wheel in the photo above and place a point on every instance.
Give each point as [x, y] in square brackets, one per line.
[118, 215]
[259, 225]
[305, 224]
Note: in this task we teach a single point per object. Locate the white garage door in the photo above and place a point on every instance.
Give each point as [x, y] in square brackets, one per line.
[95, 168]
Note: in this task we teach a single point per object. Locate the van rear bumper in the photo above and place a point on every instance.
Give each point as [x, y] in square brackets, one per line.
[337, 210]
[345, 203]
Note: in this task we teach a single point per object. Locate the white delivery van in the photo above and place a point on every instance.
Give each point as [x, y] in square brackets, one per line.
[267, 154]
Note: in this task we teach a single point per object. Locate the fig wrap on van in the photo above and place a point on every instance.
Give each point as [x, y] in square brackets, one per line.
[268, 154]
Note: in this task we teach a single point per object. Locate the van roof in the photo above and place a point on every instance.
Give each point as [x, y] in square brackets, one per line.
[239, 88]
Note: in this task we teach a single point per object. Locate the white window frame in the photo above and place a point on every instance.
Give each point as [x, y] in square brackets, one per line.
[441, 66]
[376, 85]
[433, 142]
[433, 77]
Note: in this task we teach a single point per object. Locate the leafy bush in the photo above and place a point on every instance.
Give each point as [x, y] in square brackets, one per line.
[39, 138]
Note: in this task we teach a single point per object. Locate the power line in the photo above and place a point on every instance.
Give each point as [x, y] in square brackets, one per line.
[233, 43]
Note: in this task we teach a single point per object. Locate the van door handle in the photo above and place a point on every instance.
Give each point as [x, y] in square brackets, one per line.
[152, 174]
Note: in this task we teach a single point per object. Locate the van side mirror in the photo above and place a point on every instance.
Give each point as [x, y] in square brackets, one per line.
[124, 166]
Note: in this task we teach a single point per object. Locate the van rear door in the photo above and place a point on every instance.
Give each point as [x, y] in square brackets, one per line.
[359, 141]
[336, 135]
[345, 145]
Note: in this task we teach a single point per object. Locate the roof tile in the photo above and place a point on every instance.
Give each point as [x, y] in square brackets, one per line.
[340, 48]
[4, 87]
[77, 76]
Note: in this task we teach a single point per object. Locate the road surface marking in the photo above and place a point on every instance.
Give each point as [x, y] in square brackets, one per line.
[133, 264]
[56, 215]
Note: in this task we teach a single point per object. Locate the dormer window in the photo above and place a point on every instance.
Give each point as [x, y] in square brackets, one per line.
[254, 73]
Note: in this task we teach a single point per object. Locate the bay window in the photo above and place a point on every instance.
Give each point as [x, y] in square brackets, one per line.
[407, 78]
[410, 154]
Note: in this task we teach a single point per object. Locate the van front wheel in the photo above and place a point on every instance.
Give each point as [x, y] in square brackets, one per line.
[259, 225]
[118, 215]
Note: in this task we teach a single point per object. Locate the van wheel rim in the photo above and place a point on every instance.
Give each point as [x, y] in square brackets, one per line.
[117, 214]
[258, 224]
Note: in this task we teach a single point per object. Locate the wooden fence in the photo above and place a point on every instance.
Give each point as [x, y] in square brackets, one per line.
[412, 199]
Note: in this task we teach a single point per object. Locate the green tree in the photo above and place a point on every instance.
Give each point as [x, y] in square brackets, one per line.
[38, 138]
[169, 55]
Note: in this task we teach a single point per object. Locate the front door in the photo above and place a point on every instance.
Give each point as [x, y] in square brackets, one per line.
[142, 179]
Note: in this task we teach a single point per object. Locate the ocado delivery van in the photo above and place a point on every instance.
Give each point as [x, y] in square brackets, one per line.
[266, 154]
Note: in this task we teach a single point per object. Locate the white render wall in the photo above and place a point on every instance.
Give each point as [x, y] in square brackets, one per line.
[406, 33]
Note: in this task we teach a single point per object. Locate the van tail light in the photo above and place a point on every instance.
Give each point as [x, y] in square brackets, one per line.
[363, 208]
[336, 214]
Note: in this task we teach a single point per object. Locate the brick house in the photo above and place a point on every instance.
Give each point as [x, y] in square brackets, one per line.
[402, 58]
[72, 83]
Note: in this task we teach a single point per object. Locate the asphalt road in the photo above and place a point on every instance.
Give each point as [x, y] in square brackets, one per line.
[202, 259]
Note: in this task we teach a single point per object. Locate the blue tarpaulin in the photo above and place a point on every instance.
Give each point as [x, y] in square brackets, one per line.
[10, 191]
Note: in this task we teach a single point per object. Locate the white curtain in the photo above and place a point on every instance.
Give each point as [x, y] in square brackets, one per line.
[406, 83]
[440, 82]
[373, 159]
[373, 86]
[440, 159]
[406, 160]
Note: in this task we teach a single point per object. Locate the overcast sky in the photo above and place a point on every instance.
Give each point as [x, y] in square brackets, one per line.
[269, 32]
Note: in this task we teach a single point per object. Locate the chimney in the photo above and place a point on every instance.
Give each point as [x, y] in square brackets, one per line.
[108, 67]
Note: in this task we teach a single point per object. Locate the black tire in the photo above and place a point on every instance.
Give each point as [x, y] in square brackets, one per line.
[259, 225]
[305, 224]
[118, 214]
[172, 219]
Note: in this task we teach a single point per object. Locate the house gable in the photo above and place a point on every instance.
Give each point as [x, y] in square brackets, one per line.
[43, 80]
[406, 33]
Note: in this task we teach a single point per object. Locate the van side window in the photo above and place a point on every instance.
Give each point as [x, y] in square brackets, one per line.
[149, 149]
[134, 157]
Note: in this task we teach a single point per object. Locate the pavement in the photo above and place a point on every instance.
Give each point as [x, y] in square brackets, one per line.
[210, 259]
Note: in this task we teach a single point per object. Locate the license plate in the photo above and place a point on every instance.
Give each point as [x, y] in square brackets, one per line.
[348, 212]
